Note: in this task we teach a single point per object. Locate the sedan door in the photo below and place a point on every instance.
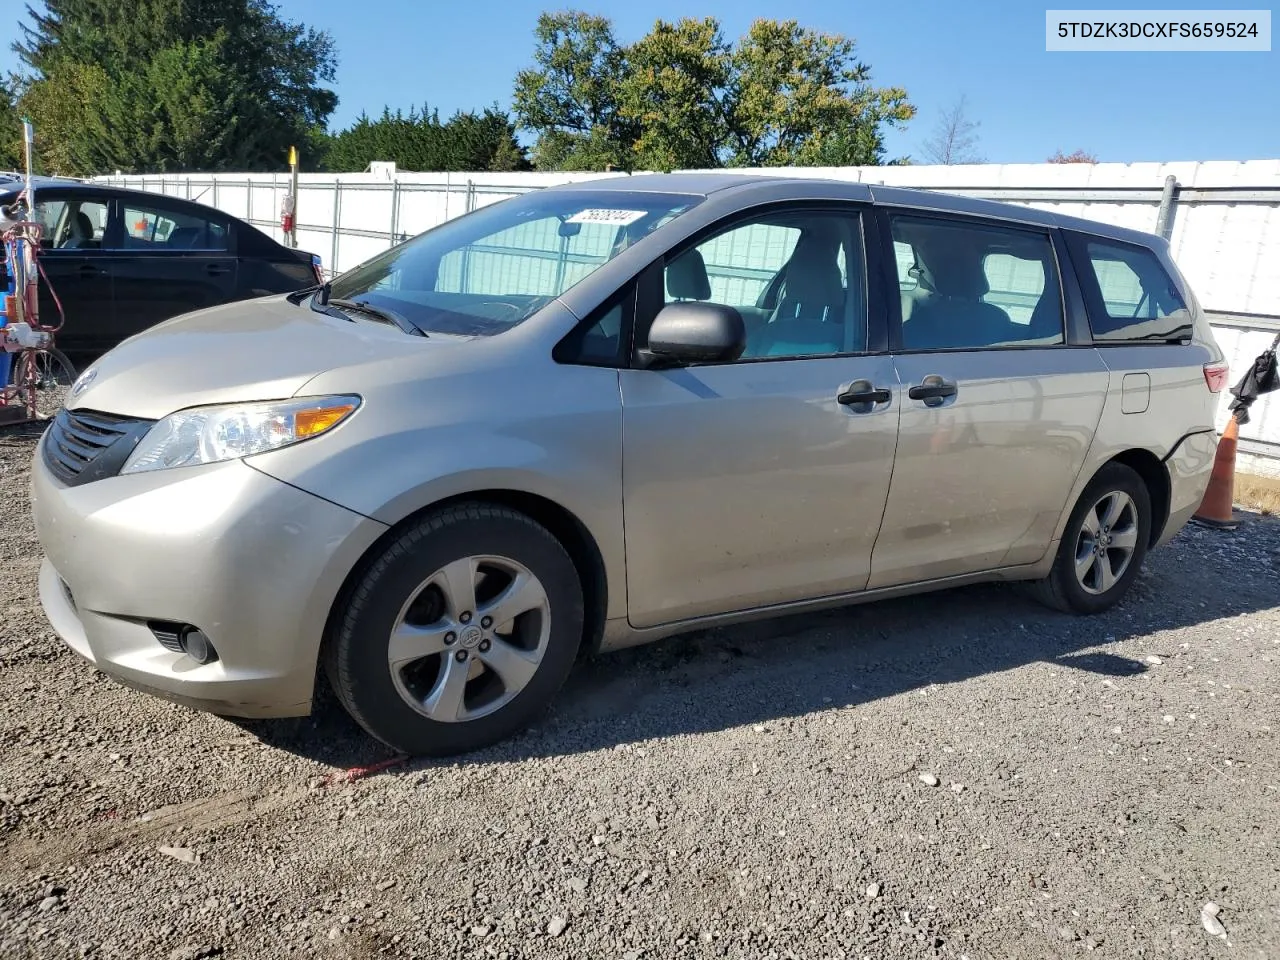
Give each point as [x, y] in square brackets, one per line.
[168, 260]
[77, 274]
[760, 481]
[999, 408]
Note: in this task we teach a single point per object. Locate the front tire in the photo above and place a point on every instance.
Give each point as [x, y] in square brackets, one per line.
[1103, 545]
[460, 633]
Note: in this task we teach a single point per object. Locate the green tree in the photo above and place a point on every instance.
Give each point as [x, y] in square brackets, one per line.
[166, 85]
[420, 141]
[482, 141]
[570, 96]
[65, 107]
[11, 153]
[799, 97]
[676, 92]
[682, 96]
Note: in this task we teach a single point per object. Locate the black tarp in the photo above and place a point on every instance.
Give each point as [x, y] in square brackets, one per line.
[1262, 377]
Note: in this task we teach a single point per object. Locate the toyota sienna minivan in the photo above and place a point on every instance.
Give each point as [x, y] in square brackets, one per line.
[602, 413]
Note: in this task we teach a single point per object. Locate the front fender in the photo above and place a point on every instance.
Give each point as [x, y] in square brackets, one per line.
[416, 443]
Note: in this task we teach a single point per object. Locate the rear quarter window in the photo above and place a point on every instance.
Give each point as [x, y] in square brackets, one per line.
[1132, 297]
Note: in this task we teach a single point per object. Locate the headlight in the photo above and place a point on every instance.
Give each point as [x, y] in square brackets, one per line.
[210, 434]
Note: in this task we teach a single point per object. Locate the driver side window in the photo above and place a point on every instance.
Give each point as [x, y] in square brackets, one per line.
[788, 275]
[71, 224]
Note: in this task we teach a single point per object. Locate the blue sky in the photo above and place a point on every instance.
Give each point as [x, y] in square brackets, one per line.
[1120, 106]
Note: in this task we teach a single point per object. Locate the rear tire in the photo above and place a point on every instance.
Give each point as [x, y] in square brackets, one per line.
[418, 660]
[1103, 545]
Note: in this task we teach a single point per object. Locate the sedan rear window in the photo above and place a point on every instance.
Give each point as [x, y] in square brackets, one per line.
[484, 273]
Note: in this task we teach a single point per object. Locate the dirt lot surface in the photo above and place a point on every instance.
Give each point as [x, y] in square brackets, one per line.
[965, 775]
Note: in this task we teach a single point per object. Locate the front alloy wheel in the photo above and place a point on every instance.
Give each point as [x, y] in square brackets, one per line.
[470, 638]
[460, 633]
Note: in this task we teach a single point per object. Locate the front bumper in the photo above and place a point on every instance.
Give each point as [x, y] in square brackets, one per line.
[1190, 466]
[252, 562]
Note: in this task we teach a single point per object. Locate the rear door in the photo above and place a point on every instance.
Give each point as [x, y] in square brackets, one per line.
[760, 481]
[168, 259]
[1002, 396]
[77, 274]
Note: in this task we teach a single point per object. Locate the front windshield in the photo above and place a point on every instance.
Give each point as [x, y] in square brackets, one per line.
[483, 273]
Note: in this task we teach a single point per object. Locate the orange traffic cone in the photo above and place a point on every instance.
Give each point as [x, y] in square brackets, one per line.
[1215, 508]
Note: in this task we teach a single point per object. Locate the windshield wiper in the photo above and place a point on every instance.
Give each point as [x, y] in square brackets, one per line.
[322, 289]
[378, 313]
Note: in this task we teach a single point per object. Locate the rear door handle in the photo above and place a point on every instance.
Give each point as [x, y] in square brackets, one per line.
[864, 394]
[88, 271]
[217, 269]
[933, 391]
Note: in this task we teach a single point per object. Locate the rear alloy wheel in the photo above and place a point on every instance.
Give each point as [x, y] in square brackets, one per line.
[1103, 545]
[1106, 543]
[460, 633]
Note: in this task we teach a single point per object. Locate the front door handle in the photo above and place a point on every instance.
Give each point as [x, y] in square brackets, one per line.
[88, 271]
[934, 391]
[862, 395]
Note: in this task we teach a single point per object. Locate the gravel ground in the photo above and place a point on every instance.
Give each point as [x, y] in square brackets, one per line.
[961, 775]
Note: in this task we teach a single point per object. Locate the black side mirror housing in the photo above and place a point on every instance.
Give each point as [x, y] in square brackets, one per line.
[697, 332]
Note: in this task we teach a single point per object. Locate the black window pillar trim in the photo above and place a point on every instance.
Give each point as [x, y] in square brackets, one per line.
[650, 298]
[568, 350]
[113, 236]
[880, 239]
[1079, 333]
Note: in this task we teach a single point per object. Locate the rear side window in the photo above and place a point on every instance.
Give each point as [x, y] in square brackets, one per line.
[149, 227]
[1134, 299]
[969, 285]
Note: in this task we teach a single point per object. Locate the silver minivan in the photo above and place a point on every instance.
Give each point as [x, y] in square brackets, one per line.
[603, 413]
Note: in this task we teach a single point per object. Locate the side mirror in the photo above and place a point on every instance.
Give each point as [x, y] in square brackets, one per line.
[697, 332]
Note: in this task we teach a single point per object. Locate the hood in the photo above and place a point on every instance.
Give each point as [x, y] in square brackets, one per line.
[263, 349]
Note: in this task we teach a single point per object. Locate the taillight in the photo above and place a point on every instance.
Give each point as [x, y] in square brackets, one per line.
[315, 265]
[1215, 376]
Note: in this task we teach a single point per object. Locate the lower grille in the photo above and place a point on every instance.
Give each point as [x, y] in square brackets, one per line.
[168, 634]
[85, 445]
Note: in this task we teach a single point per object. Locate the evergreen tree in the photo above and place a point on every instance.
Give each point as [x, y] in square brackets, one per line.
[420, 141]
[164, 85]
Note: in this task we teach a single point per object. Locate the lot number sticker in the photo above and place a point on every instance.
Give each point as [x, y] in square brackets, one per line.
[614, 218]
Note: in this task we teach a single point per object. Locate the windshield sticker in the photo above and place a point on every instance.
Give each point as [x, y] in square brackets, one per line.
[614, 218]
